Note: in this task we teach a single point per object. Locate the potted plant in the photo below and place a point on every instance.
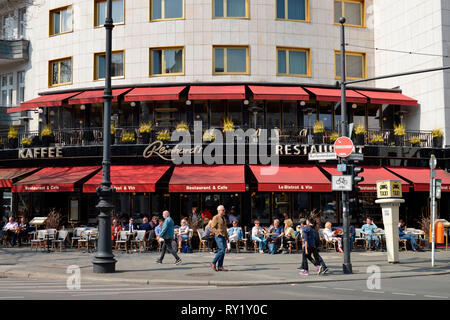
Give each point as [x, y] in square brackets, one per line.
[182, 126]
[399, 134]
[318, 131]
[46, 136]
[26, 142]
[228, 125]
[438, 135]
[360, 133]
[208, 136]
[13, 138]
[377, 139]
[334, 136]
[129, 137]
[415, 141]
[113, 133]
[145, 130]
[163, 136]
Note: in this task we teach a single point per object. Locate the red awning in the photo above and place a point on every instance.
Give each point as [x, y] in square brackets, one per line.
[208, 178]
[279, 93]
[96, 96]
[379, 97]
[49, 100]
[334, 95]
[7, 175]
[53, 179]
[129, 178]
[371, 175]
[291, 178]
[216, 93]
[420, 177]
[154, 94]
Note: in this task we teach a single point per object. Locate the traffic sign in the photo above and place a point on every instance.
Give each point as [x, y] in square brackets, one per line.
[322, 156]
[341, 183]
[343, 147]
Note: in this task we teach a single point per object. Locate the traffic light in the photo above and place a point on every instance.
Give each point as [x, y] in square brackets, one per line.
[438, 188]
[354, 172]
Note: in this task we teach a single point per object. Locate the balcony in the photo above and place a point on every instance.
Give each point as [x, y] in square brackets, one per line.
[14, 50]
[302, 136]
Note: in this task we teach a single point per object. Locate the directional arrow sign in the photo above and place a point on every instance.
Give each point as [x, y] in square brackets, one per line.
[343, 147]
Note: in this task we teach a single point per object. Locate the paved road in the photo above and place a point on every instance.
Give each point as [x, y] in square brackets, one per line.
[428, 288]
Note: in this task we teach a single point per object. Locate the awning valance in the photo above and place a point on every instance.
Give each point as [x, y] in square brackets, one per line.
[334, 95]
[381, 97]
[420, 177]
[96, 96]
[8, 175]
[217, 92]
[49, 100]
[279, 93]
[154, 93]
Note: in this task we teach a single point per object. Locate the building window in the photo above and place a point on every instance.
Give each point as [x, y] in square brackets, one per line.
[118, 10]
[355, 63]
[293, 10]
[352, 10]
[230, 60]
[166, 61]
[293, 62]
[60, 72]
[7, 88]
[166, 9]
[22, 23]
[230, 8]
[61, 20]
[20, 87]
[117, 65]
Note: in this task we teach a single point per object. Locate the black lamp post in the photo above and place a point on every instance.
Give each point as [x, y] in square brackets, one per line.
[104, 261]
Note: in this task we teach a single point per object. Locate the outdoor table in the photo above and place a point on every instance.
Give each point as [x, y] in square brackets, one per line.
[380, 235]
[47, 238]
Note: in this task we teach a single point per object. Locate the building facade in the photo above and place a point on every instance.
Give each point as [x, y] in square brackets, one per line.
[239, 64]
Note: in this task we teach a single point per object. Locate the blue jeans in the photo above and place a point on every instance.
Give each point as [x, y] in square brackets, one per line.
[369, 239]
[262, 242]
[221, 245]
[411, 239]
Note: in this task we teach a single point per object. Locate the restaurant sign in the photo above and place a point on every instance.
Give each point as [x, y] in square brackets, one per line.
[35, 153]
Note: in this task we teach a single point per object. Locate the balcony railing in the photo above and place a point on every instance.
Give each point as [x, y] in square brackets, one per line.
[14, 50]
[94, 136]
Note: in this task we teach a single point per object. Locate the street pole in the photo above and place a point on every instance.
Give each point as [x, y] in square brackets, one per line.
[104, 261]
[433, 163]
[347, 266]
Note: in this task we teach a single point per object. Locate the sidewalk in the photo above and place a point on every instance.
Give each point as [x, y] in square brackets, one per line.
[246, 269]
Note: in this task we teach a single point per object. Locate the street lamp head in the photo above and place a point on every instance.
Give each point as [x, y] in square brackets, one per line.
[342, 20]
[433, 162]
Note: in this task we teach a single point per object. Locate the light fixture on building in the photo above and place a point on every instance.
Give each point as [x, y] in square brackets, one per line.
[246, 102]
[40, 110]
[133, 104]
[82, 107]
[354, 106]
[303, 103]
[52, 113]
[40, 119]
[188, 102]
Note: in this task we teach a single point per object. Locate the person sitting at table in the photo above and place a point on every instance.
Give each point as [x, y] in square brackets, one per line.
[145, 225]
[209, 236]
[258, 236]
[131, 227]
[23, 230]
[183, 233]
[276, 232]
[332, 235]
[289, 234]
[115, 229]
[235, 234]
[406, 235]
[10, 228]
[158, 229]
[367, 231]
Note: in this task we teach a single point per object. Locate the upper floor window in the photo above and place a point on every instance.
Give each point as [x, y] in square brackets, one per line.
[166, 61]
[60, 72]
[117, 65]
[293, 62]
[230, 8]
[355, 64]
[100, 12]
[352, 10]
[7, 88]
[61, 20]
[20, 87]
[293, 10]
[22, 22]
[231, 60]
[166, 9]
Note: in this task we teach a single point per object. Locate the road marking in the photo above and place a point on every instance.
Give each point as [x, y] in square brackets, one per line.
[149, 291]
[12, 298]
[438, 297]
[345, 289]
[403, 294]
[317, 287]
[371, 291]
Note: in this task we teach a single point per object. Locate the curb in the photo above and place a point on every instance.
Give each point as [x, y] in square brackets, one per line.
[328, 278]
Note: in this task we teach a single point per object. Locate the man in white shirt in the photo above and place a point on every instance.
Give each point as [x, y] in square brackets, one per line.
[11, 228]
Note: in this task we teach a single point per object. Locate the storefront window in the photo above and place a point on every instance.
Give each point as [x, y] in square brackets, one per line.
[210, 201]
[359, 116]
[141, 205]
[309, 116]
[232, 202]
[260, 204]
[78, 118]
[217, 113]
[188, 201]
[66, 117]
[328, 207]
[326, 116]
[280, 205]
[96, 116]
[259, 117]
[160, 202]
[290, 115]
[300, 205]
[201, 113]
[235, 112]
[374, 117]
[273, 115]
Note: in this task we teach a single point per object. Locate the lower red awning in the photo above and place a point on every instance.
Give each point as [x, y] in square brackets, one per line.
[420, 177]
[291, 178]
[125, 179]
[380, 97]
[8, 175]
[334, 95]
[49, 100]
[54, 179]
[208, 178]
[96, 96]
[216, 93]
[371, 175]
[154, 94]
[279, 93]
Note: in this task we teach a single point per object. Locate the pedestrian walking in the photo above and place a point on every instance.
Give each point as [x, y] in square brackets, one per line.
[167, 233]
[219, 228]
[310, 250]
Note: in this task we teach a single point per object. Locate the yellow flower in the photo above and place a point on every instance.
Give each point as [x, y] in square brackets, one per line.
[377, 138]
[47, 131]
[318, 127]
[145, 127]
[13, 133]
[228, 124]
[334, 136]
[360, 129]
[182, 126]
[437, 133]
[399, 129]
[26, 142]
[414, 140]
